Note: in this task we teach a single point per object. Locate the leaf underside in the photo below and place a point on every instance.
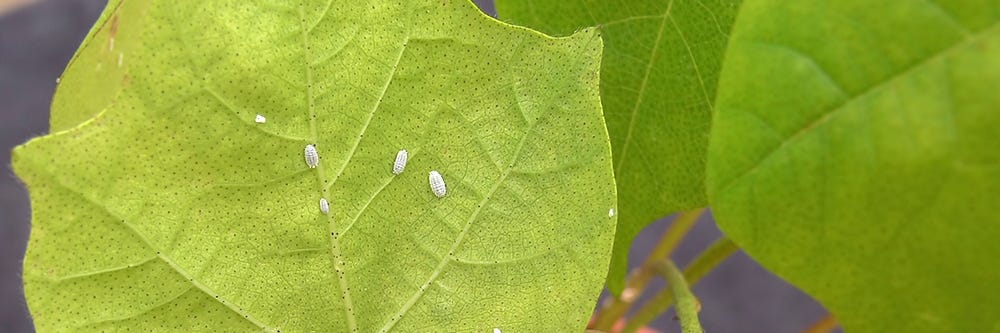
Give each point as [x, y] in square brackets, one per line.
[658, 80]
[163, 206]
[854, 153]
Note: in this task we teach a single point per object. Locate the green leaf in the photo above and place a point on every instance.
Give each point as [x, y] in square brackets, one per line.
[172, 210]
[97, 71]
[658, 81]
[854, 153]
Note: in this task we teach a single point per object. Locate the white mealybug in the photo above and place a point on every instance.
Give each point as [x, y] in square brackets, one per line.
[260, 119]
[324, 206]
[496, 330]
[437, 184]
[611, 213]
[312, 156]
[400, 164]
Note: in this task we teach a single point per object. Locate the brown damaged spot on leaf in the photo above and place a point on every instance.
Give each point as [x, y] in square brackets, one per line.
[114, 25]
[112, 32]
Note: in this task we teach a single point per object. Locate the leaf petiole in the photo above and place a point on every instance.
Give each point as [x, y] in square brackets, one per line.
[704, 263]
[672, 237]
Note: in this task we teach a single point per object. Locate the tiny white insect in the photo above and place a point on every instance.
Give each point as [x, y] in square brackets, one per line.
[312, 156]
[260, 119]
[496, 330]
[324, 206]
[611, 213]
[400, 163]
[437, 184]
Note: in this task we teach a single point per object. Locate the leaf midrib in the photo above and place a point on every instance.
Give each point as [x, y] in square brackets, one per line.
[336, 255]
[642, 89]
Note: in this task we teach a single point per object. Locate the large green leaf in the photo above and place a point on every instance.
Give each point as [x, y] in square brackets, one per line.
[658, 81]
[171, 210]
[855, 154]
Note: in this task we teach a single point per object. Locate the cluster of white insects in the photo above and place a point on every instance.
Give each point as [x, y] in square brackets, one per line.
[435, 179]
[311, 155]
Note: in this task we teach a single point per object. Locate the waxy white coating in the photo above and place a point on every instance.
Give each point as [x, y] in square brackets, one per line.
[324, 206]
[400, 163]
[437, 184]
[312, 156]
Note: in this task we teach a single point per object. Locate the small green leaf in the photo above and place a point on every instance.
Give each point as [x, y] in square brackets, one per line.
[854, 153]
[173, 210]
[658, 79]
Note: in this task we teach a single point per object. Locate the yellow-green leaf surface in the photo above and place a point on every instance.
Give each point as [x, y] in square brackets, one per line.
[97, 71]
[658, 78]
[170, 209]
[855, 154]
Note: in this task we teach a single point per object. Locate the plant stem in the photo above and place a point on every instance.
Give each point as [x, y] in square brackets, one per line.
[824, 325]
[616, 309]
[704, 263]
[687, 304]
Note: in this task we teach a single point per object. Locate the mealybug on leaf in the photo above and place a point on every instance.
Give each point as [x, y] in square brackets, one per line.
[312, 156]
[437, 184]
[324, 206]
[260, 119]
[400, 164]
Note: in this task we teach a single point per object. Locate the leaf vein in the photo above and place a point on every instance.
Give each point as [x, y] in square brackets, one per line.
[233, 110]
[336, 257]
[160, 254]
[449, 257]
[826, 116]
[64, 278]
[694, 63]
[371, 113]
[642, 90]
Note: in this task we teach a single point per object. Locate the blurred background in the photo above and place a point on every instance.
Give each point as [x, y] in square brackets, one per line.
[37, 39]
